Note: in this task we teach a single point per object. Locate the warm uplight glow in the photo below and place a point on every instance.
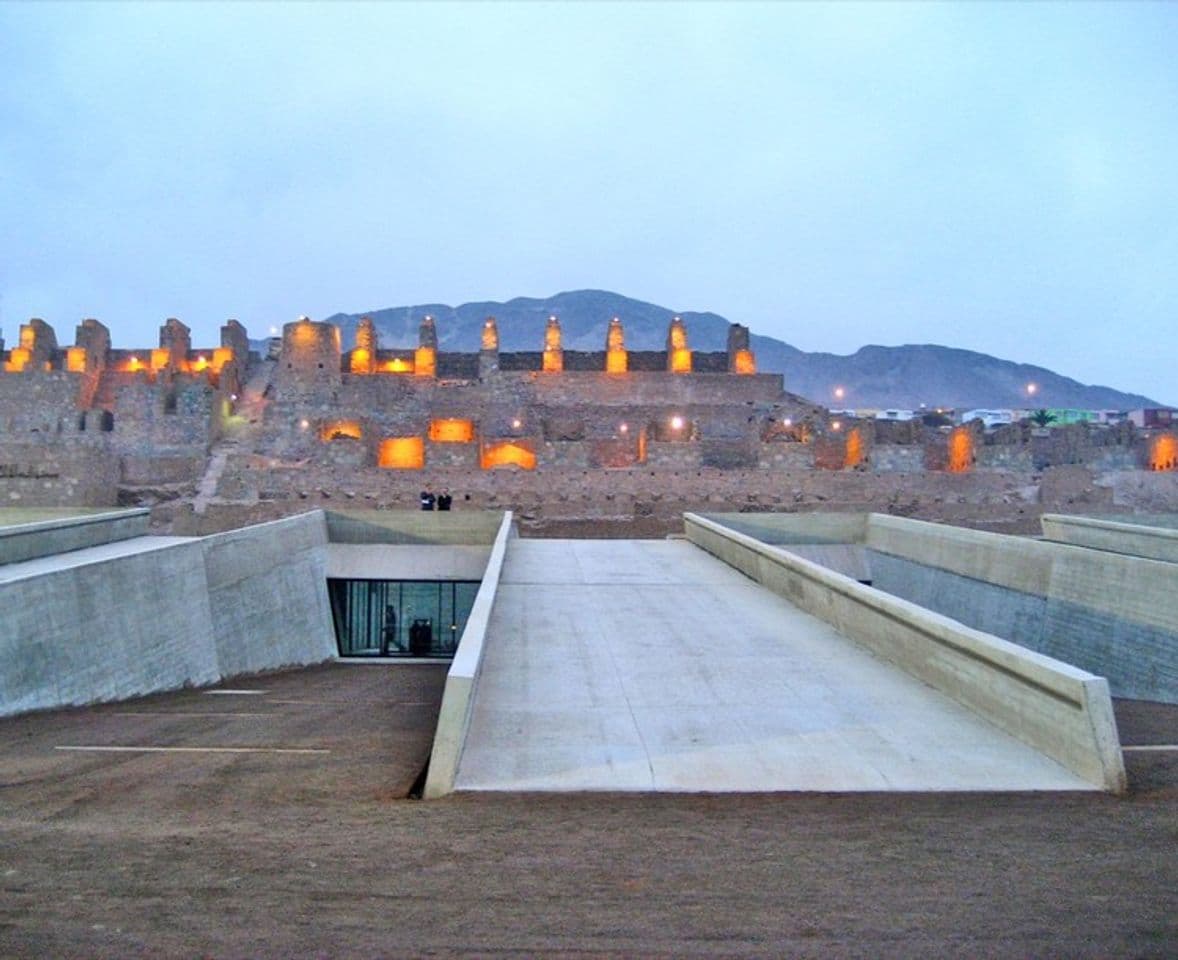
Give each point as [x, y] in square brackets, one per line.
[616, 361]
[340, 430]
[836, 425]
[681, 360]
[304, 424]
[508, 453]
[397, 365]
[451, 430]
[18, 359]
[160, 358]
[490, 335]
[787, 422]
[623, 428]
[516, 424]
[401, 453]
[1163, 455]
[553, 357]
[854, 455]
[134, 365]
[1032, 389]
[743, 362]
[960, 451]
[360, 361]
[676, 423]
[839, 393]
[75, 359]
[221, 356]
[425, 361]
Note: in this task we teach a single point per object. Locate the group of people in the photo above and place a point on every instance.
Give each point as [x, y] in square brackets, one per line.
[441, 500]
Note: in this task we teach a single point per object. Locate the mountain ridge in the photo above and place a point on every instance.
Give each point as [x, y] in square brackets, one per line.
[875, 375]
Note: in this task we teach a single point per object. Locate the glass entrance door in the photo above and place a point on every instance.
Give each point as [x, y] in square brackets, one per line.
[400, 618]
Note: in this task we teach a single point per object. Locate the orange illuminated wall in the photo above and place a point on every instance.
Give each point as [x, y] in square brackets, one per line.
[360, 361]
[401, 453]
[340, 430]
[397, 365]
[1163, 455]
[160, 357]
[507, 453]
[221, 356]
[425, 361]
[615, 360]
[854, 448]
[18, 359]
[680, 360]
[75, 359]
[743, 362]
[451, 430]
[960, 451]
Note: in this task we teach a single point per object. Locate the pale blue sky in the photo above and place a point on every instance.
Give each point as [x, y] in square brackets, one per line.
[993, 177]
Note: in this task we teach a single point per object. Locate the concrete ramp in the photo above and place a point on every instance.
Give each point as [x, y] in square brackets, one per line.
[652, 666]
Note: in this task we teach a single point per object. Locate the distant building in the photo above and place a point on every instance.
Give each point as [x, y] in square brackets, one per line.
[1159, 417]
[895, 415]
[989, 418]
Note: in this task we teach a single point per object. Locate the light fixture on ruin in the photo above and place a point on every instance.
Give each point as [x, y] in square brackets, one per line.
[676, 422]
[961, 454]
[401, 453]
[553, 361]
[616, 360]
[678, 353]
[854, 449]
[425, 357]
[504, 453]
[363, 357]
[451, 430]
[490, 337]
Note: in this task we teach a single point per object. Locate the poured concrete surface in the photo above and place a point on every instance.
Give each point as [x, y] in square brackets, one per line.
[395, 561]
[650, 665]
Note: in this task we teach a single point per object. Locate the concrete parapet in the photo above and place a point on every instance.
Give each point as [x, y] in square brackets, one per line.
[1133, 539]
[462, 678]
[267, 595]
[28, 541]
[461, 527]
[147, 614]
[1064, 712]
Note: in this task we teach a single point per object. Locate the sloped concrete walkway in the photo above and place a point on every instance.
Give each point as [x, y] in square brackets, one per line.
[652, 666]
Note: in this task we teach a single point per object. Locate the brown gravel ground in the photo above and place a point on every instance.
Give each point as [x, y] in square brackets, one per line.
[315, 855]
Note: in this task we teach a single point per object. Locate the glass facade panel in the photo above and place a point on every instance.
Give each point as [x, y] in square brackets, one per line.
[400, 618]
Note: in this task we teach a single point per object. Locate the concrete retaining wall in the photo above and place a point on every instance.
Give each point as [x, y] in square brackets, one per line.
[163, 613]
[1138, 540]
[462, 678]
[267, 590]
[27, 541]
[1109, 613]
[464, 527]
[1060, 710]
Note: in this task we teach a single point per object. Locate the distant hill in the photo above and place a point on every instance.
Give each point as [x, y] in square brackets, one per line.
[873, 376]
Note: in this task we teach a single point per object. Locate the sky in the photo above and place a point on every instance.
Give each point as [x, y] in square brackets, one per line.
[998, 178]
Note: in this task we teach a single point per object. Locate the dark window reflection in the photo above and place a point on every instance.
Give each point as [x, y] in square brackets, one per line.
[400, 618]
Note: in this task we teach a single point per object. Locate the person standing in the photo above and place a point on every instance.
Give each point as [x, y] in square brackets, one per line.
[427, 500]
[444, 500]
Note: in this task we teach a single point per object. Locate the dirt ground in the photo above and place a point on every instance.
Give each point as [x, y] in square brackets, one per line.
[297, 854]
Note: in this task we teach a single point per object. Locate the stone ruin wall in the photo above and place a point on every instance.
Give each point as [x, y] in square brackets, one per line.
[90, 425]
